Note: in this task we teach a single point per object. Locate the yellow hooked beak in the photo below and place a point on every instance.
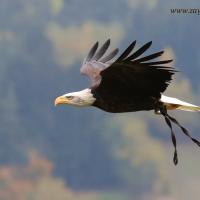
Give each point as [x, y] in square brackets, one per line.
[61, 100]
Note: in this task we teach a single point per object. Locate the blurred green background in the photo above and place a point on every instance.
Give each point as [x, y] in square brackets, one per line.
[59, 153]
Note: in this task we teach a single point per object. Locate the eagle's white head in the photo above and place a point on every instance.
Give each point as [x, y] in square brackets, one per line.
[81, 98]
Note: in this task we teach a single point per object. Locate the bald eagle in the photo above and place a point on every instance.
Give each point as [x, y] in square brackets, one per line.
[131, 82]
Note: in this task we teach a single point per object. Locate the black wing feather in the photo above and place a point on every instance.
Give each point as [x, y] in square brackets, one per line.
[127, 51]
[109, 56]
[92, 52]
[102, 50]
[159, 62]
[140, 51]
[149, 57]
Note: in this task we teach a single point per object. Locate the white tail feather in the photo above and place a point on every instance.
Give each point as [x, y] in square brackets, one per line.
[173, 103]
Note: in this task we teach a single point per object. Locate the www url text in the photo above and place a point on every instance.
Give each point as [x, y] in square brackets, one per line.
[185, 11]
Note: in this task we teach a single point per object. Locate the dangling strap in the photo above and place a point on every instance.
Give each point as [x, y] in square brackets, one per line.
[185, 131]
[163, 111]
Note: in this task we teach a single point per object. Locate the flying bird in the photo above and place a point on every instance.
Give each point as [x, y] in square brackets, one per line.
[128, 83]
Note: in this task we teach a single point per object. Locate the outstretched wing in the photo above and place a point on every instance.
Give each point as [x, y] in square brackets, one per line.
[132, 74]
[96, 61]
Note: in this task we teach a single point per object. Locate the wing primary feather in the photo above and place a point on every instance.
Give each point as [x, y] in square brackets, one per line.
[102, 50]
[163, 68]
[127, 51]
[110, 56]
[159, 62]
[92, 52]
[149, 57]
[139, 52]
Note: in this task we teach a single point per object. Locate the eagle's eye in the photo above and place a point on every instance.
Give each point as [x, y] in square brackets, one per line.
[69, 97]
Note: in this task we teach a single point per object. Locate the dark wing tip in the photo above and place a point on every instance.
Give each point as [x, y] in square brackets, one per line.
[161, 62]
[149, 43]
[108, 40]
[127, 51]
[102, 50]
[139, 52]
[92, 51]
[149, 57]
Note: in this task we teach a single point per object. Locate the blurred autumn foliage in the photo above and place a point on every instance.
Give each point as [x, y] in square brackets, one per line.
[35, 181]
